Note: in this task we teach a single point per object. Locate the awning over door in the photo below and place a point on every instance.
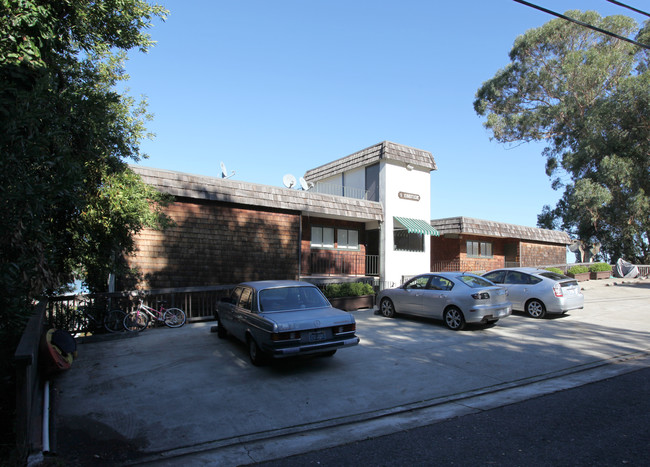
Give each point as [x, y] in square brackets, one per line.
[418, 226]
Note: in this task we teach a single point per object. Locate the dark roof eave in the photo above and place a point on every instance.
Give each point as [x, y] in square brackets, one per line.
[232, 191]
[469, 226]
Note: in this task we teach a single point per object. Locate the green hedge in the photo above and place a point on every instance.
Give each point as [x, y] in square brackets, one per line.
[555, 270]
[598, 267]
[578, 269]
[348, 289]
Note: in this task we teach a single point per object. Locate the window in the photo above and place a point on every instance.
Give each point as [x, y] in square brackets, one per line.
[405, 241]
[246, 300]
[348, 239]
[479, 249]
[417, 283]
[322, 237]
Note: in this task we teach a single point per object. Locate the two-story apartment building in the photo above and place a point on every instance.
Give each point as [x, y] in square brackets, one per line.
[365, 216]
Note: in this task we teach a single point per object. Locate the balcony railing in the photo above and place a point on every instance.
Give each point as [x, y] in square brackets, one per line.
[330, 263]
[339, 190]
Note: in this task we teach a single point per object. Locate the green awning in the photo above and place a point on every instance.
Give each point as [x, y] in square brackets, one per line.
[417, 226]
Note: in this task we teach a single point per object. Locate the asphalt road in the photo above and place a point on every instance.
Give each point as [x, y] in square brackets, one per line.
[605, 423]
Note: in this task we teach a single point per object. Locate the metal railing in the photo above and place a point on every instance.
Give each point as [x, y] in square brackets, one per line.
[331, 263]
[340, 190]
[199, 303]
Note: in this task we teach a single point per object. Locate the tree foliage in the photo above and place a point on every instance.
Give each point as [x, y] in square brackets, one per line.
[587, 96]
[68, 200]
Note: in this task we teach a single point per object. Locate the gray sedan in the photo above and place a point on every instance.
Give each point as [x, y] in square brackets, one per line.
[454, 297]
[538, 291]
[283, 319]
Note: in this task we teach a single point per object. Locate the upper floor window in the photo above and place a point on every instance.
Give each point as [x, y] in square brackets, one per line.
[478, 249]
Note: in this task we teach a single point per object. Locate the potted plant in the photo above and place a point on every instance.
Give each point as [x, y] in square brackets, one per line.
[580, 273]
[350, 296]
[600, 271]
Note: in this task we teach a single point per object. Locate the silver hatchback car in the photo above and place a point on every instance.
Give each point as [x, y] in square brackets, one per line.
[454, 297]
[538, 291]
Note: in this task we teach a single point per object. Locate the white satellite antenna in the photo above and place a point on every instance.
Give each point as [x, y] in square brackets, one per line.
[303, 183]
[289, 181]
[224, 172]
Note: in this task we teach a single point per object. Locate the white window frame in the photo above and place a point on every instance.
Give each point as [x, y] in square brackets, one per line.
[322, 237]
[347, 239]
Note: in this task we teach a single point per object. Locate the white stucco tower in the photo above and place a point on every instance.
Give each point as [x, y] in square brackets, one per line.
[399, 178]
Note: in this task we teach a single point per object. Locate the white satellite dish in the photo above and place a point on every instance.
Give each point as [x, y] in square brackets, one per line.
[289, 181]
[224, 172]
[303, 183]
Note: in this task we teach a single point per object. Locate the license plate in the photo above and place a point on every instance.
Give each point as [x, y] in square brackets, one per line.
[316, 336]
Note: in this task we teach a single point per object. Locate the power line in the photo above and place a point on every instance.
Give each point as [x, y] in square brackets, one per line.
[582, 23]
[628, 7]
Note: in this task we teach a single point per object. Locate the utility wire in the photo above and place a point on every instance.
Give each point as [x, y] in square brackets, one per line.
[582, 23]
[628, 7]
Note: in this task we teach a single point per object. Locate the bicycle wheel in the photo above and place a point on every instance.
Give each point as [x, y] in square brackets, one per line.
[114, 321]
[136, 322]
[174, 317]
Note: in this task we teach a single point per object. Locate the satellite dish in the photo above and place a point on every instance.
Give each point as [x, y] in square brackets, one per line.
[303, 183]
[289, 181]
[224, 172]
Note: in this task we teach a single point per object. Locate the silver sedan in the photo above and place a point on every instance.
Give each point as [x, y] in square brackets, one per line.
[454, 297]
[538, 291]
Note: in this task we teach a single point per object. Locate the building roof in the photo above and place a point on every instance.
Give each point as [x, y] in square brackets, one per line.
[469, 226]
[372, 155]
[252, 194]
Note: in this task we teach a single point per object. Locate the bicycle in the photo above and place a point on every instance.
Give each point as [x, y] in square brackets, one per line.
[89, 317]
[138, 319]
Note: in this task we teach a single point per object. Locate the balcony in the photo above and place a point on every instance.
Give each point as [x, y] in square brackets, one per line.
[335, 263]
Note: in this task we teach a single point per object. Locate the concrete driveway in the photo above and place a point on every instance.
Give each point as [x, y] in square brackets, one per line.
[185, 397]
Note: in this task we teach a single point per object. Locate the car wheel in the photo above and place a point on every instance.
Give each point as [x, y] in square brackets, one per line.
[222, 333]
[535, 308]
[387, 308]
[255, 354]
[454, 318]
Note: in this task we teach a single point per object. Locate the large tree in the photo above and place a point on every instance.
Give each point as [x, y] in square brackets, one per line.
[586, 95]
[67, 197]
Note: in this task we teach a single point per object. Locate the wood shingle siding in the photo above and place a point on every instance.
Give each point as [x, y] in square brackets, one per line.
[372, 155]
[252, 194]
[478, 227]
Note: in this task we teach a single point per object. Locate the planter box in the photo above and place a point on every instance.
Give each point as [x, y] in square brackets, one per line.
[353, 303]
[580, 277]
[600, 275]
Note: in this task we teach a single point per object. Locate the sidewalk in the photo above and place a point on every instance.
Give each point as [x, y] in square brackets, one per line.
[185, 397]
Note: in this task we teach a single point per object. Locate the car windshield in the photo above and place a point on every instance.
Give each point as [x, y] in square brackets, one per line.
[475, 281]
[554, 276]
[291, 298]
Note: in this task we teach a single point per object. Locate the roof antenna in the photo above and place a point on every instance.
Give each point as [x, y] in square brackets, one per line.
[305, 185]
[289, 181]
[224, 172]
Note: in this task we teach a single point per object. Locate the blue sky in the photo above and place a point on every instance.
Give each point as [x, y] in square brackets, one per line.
[277, 87]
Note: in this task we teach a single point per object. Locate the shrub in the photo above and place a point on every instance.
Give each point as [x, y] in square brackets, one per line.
[578, 269]
[598, 267]
[348, 289]
[555, 270]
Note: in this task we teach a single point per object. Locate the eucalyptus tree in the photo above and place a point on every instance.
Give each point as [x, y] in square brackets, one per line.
[586, 95]
[68, 200]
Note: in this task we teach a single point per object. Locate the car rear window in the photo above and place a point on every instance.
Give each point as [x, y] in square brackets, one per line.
[291, 298]
[553, 275]
[475, 282]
